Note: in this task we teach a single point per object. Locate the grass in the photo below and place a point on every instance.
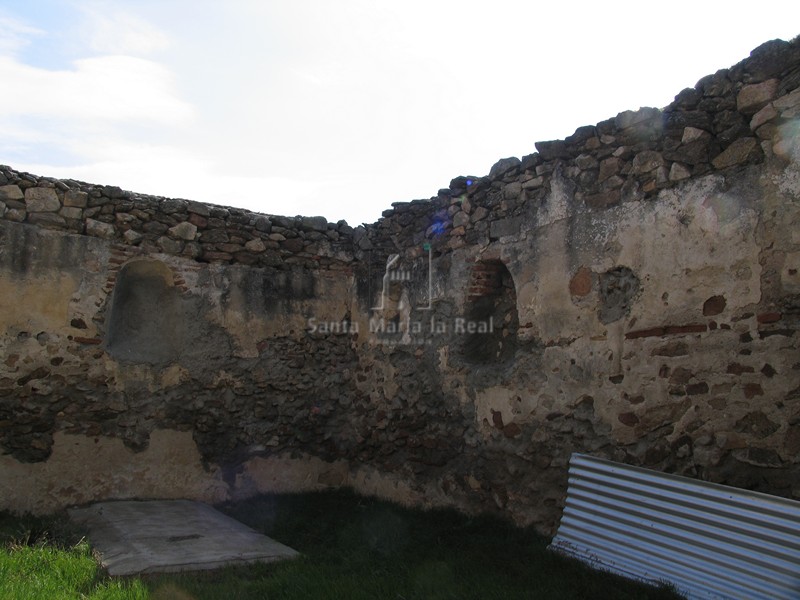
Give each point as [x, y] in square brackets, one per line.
[46, 558]
[352, 548]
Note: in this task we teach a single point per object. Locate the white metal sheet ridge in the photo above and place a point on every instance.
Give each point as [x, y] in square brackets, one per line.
[708, 540]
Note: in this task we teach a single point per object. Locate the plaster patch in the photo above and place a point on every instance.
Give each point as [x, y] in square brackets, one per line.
[170, 467]
[38, 304]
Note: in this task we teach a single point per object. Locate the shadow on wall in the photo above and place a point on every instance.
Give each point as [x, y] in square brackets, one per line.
[147, 321]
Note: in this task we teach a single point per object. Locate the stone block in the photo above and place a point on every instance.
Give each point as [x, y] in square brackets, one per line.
[693, 153]
[172, 206]
[217, 256]
[740, 151]
[100, 229]
[38, 199]
[533, 183]
[155, 228]
[586, 161]
[184, 231]
[132, 237]
[16, 214]
[47, 220]
[256, 245]
[505, 227]
[199, 221]
[503, 166]
[783, 103]
[314, 223]
[753, 97]
[603, 199]
[629, 118]
[460, 219]
[113, 191]
[230, 248]
[264, 225]
[214, 236]
[610, 166]
[76, 198]
[293, 245]
[765, 114]
[691, 134]
[197, 208]
[646, 161]
[11, 192]
[714, 306]
[480, 213]
[678, 172]
[71, 212]
[512, 191]
[552, 150]
[169, 246]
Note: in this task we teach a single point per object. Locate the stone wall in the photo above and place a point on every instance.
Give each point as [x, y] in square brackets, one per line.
[202, 232]
[631, 291]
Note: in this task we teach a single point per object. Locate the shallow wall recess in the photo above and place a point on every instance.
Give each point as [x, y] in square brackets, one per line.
[147, 323]
[492, 320]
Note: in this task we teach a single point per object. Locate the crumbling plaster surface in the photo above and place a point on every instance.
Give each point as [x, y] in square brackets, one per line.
[64, 478]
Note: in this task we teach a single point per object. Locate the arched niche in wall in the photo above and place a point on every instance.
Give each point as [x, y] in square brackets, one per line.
[146, 324]
[491, 319]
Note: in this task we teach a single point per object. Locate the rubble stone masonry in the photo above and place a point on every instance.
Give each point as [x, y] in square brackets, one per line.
[631, 291]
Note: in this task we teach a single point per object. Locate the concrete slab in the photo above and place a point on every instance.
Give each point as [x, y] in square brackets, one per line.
[164, 536]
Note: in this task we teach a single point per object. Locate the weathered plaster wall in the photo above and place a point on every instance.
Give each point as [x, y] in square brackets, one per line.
[631, 291]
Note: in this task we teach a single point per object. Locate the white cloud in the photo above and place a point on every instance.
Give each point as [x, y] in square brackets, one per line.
[112, 88]
[15, 35]
[94, 114]
[120, 32]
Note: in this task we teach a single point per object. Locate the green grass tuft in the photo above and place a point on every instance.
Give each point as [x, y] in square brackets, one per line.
[47, 572]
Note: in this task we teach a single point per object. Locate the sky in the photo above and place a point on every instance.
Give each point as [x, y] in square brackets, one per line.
[338, 107]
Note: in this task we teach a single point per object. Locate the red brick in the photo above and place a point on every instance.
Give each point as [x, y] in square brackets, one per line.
[770, 317]
[655, 331]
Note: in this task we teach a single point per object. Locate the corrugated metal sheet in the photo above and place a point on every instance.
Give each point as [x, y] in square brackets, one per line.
[709, 540]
